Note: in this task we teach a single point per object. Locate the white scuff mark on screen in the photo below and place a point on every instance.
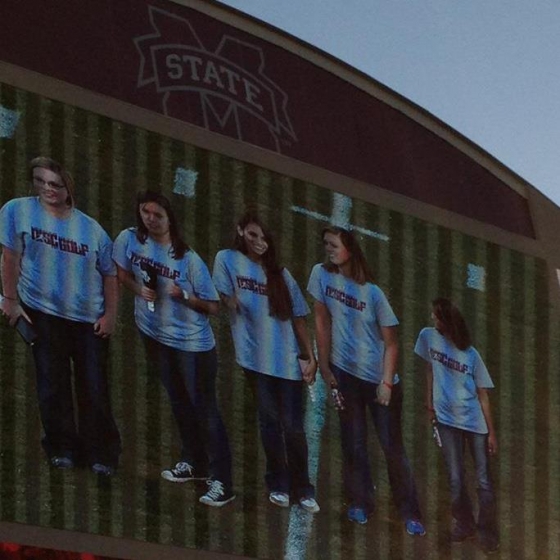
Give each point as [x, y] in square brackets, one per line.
[476, 277]
[8, 122]
[310, 214]
[185, 182]
[301, 522]
[341, 211]
[369, 233]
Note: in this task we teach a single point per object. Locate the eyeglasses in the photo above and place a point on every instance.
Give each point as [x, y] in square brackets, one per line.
[52, 184]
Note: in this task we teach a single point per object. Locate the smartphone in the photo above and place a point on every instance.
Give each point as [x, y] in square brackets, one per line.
[337, 398]
[26, 330]
[435, 433]
[149, 277]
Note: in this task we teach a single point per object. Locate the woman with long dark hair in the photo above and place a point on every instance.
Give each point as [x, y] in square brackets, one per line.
[358, 350]
[457, 399]
[174, 296]
[267, 317]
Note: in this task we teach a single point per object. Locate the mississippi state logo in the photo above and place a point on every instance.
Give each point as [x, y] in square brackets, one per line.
[226, 91]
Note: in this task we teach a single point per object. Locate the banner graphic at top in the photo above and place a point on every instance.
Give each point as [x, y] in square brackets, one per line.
[228, 86]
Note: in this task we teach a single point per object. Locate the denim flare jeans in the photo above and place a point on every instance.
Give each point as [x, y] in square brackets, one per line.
[360, 398]
[280, 409]
[454, 441]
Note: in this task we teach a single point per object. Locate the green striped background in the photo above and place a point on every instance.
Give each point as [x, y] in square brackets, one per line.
[514, 328]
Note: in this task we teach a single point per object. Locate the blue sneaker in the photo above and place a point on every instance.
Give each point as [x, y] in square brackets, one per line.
[414, 528]
[357, 514]
[62, 462]
[102, 470]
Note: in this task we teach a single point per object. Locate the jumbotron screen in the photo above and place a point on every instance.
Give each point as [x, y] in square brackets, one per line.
[502, 294]
[351, 190]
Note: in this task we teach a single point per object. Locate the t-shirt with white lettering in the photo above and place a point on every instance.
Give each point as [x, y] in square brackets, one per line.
[172, 322]
[457, 375]
[357, 313]
[262, 343]
[63, 260]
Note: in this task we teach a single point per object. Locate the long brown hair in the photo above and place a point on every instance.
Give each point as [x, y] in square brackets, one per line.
[279, 299]
[359, 268]
[178, 246]
[454, 326]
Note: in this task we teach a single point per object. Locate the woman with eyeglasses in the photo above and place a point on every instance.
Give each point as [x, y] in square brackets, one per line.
[58, 275]
[174, 296]
[267, 316]
[457, 399]
[358, 352]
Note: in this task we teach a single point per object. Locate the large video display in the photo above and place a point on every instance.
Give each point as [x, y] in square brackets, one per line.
[502, 293]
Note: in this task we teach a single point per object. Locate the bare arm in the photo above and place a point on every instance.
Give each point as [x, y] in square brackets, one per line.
[203, 305]
[209, 307]
[10, 306]
[485, 405]
[390, 358]
[430, 392]
[105, 326]
[323, 333]
[127, 279]
[231, 302]
[302, 335]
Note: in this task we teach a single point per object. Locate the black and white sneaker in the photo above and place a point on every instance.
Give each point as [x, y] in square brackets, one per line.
[217, 495]
[181, 472]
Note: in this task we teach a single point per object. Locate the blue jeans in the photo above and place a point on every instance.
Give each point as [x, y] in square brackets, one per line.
[454, 442]
[359, 396]
[280, 408]
[60, 344]
[190, 381]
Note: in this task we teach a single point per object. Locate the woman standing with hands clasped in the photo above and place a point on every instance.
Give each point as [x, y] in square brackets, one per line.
[267, 317]
[358, 351]
[172, 315]
[457, 398]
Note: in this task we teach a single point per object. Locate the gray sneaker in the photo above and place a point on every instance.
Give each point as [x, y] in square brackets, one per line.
[309, 504]
[280, 499]
[102, 470]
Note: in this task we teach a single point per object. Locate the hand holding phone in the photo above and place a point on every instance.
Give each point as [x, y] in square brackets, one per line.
[26, 330]
[149, 278]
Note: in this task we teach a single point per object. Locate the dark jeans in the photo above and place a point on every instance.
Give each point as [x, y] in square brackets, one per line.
[61, 343]
[280, 408]
[190, 381]
[454, 442]
[360, 396]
